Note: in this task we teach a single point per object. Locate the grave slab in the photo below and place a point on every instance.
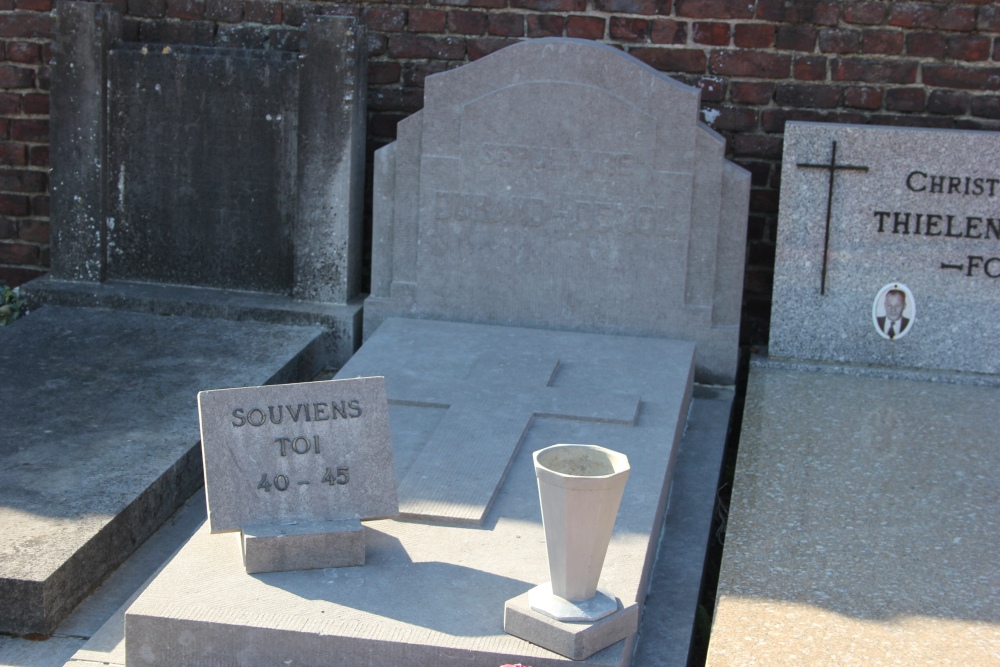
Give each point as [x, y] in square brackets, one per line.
[104, 446]
[873, 213]
[432, 593]
[863, 525]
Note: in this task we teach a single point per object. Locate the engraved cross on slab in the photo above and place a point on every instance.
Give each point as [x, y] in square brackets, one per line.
[832, 168]
[459, 470]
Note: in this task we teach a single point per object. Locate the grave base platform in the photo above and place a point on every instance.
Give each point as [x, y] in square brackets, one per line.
[303, 546]
[100, 438]
[433, 594]
[864, 526]
[342, 321]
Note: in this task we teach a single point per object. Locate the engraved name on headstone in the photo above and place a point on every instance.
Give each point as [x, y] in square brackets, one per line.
[297, 452]
[912, 220]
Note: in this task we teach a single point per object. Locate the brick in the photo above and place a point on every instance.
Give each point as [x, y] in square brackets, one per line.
[16, 77]
[882, 42]
[17, 253]
[913, 121]
[759, 174]
[10, 104]
[405, 45]
[629, 29]
[711, 33]
[180, 32]
[816, 12]
[646, 7]
[750, 64]
[34, 231]
[187, 10]
[757, 145]
[735, 119]
[809, 68]
[468, 23]
[866, 13]
[932, 17]
[150, 9]
[8, 228]
[390, 19]
[713, 89]
[668, 31]
[484, 47]
[988, 19]
[487, 4]
[243, 36]
[950, 102]
[673, 60]
[40, 205]
[35, 104]
[585, 27]
[714, 9]
[14, 155]
[969, 47]
[38, 156]
[807, 95]
[905, 99]
[130, 28]
[751, 92]
[550, 5]
[262, 11]
[873, 71]
[414, 73]
[863, 97]
[34, 5]
[996, 50]
[15, 205]
[753, 35]
[22, 25]
[377, 44]
[380, 71]
[986, 106]
[31, 131]
[27, 53]
[426, 20]
[795, 38]
[958, 76]
[545, 25]
[926, 45]
[15, 276]
[773, 121]
[228, 11]
[505, 25]
[839, 40]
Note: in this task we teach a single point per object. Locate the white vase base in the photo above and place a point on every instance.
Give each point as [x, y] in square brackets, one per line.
[544, 601]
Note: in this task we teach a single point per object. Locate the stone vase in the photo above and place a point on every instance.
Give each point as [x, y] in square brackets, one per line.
[580, 488]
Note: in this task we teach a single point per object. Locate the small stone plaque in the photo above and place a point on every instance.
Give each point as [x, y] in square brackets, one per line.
[297, 452]
[888, 249]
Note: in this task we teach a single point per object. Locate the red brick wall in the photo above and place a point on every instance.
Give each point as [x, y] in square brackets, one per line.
[758, 63]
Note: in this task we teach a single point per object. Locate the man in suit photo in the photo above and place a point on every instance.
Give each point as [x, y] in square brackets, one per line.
[894, 324]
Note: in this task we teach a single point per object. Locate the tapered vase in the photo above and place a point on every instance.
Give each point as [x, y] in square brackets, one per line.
[580, 488]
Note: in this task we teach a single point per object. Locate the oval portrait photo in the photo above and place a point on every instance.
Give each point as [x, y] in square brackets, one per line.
[893, 311]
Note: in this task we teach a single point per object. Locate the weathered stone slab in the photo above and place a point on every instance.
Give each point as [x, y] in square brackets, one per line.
[432, 594]
[491, 207]
[305, 545]
[912, 210]
[863, 525]
[101, 443]
[302, 452]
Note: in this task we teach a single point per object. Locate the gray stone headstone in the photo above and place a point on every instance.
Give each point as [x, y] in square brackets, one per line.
[298, 452]
[498, 205]
[236, 170]
[913, 219]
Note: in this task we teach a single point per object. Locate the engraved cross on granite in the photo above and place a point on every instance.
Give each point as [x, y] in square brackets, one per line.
[459, 470]
[832, 168]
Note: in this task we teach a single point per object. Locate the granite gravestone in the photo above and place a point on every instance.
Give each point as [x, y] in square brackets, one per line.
[469, 401]
[323, 452]
[148, 215]
[496, 205]
[877, 218]
[863, 517]
[235, 171]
